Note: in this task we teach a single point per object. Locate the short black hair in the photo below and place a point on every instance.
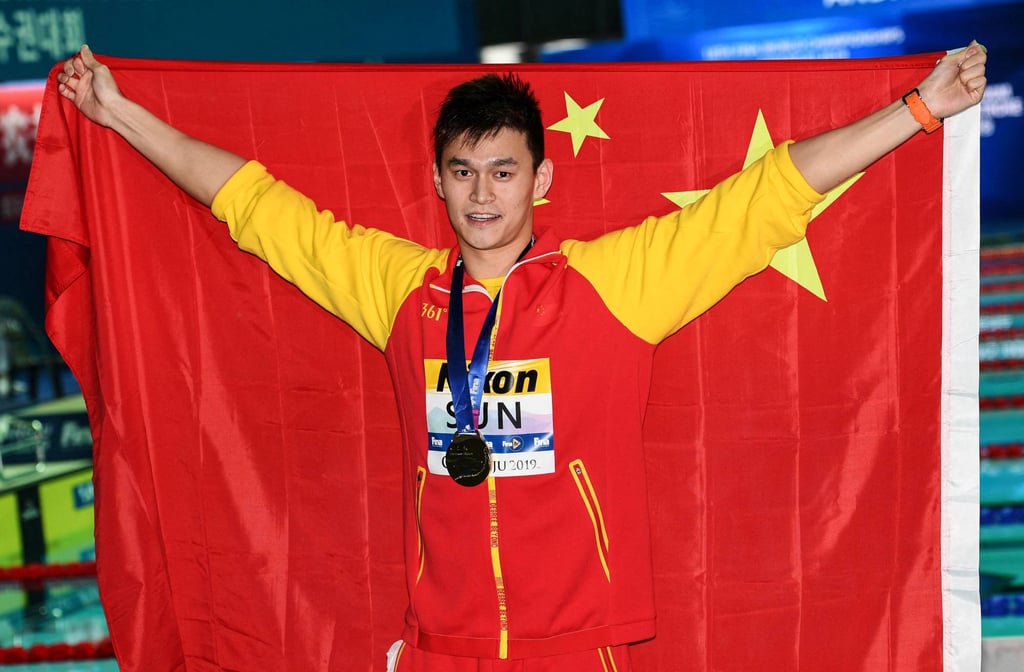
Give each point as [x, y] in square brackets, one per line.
[483, 107]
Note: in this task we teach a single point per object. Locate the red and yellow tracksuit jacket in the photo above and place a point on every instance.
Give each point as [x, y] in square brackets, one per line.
[552, 553]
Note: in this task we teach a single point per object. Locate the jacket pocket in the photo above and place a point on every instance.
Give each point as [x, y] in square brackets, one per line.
[593, 506]
[421, 483]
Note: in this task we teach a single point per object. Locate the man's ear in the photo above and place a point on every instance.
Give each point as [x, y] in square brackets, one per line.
[437, 182]
[542, 178]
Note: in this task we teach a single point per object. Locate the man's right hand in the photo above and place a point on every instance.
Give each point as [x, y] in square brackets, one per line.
[90, 86]
[198, 167]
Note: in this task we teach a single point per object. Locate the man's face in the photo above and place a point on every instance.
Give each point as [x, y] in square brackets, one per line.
[488, 190]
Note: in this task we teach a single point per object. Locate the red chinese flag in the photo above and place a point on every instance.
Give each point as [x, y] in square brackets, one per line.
[810, 440]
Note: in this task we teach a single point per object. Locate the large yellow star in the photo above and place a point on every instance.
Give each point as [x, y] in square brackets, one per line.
[579, 122]
[795, 261]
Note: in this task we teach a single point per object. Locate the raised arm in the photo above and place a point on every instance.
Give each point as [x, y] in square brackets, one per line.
[956, 83]
[199, 168]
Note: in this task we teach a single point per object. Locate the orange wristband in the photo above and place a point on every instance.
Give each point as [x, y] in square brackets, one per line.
[921, 112]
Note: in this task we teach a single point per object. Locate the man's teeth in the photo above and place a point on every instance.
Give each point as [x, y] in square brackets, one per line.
[482, 218]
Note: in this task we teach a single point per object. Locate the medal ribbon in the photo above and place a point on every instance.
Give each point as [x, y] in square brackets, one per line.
[468, 385]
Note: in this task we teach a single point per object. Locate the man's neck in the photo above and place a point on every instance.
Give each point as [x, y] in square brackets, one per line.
[481, 269]
[484, 264]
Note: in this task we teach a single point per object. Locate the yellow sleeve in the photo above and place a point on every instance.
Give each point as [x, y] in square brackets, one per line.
[659, 275]
[361, 275]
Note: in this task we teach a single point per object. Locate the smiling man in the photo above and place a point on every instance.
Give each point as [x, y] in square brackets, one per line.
[489, 169]
[518, 559]
[489, 187]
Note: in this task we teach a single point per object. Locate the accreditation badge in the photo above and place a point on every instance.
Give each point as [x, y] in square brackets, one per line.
[515, 422]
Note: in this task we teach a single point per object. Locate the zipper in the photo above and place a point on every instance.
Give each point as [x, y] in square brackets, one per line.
[499, 580]
[586, 488]
[492, 494]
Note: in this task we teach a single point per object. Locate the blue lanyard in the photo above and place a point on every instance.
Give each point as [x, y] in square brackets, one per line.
[467, 385]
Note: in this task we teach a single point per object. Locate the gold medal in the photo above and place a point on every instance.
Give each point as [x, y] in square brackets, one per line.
[468, 459]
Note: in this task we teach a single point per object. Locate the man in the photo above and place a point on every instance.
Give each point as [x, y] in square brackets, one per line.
[531, 316]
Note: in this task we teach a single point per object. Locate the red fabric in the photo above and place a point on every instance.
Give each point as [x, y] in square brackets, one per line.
[247, 472]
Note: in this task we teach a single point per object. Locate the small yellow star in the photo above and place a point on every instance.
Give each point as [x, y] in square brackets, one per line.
[795, 261]
[579, 122]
